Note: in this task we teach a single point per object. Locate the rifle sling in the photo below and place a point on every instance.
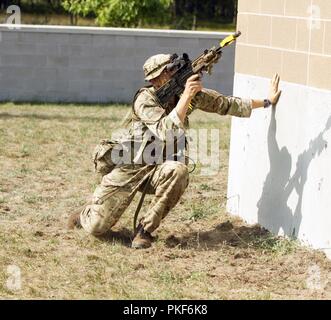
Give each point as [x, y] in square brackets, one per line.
[142, 200]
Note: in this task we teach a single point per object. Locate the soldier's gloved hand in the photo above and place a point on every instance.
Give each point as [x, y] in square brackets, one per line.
[193, 86]
[274, 92]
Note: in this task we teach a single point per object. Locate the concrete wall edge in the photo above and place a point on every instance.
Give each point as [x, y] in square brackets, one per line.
[112, 31]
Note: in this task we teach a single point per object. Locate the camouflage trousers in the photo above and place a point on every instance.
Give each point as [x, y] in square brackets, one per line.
[111, 197]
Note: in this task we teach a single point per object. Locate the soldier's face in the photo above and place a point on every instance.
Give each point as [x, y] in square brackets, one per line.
[161, 79]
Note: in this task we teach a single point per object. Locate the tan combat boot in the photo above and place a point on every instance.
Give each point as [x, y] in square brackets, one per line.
[74, 218]
[74, 221]
[142, 239]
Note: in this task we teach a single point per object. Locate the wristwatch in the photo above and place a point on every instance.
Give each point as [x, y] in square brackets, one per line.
[267, 103]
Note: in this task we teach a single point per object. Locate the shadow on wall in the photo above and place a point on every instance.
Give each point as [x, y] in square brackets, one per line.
[273, 211]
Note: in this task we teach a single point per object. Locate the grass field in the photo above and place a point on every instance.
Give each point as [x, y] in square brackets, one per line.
[201, 252]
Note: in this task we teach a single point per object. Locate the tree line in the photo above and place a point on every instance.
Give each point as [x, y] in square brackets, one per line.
[179, 14]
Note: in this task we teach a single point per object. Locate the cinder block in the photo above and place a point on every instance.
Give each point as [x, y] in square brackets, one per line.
[57, 61]
[302, 35]
[327, 42]
[17, 72]
[126, 63]
[81, 39]
[273, 7]
[58, 96]
[246, 59]
[86, 74]
[64, 74]
[323, 7]
[108, 74]
[146, 42]
[319, 72]
[8, 83]
[4, 96]
[82, 62]
[269, 62]
[34, 60]
[34, 85]
[242, 25]
[259, 30]
[102, 85]
[59, 84]
[297, 8]
[8, 35]
[295, 67]
[317, 38]
[58, 38]
[168, 42]
[83, 51]
[15, 48]
[189, 43]
[83, 85]
[14, 95]
[102, 40]
[47, 49]
[10, 60]
[249, 6]
[126, 41]
[284, 33]
[71, 50]
[38, 37]
[141, 54]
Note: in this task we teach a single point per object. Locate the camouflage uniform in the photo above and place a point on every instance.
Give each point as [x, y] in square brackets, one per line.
[117, 189]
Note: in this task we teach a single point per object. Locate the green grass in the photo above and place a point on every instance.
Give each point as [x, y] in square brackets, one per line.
[276, 245]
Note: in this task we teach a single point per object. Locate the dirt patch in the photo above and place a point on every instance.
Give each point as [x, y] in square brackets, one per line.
[225, 233]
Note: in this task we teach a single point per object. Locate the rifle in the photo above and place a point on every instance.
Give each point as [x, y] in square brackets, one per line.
[185, 68]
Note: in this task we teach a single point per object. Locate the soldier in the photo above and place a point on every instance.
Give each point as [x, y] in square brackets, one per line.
[169, 181]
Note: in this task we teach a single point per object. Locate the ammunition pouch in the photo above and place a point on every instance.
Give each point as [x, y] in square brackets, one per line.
[102, 156]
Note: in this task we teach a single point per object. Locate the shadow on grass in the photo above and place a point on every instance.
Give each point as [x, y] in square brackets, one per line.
[7, 115]
[123, 236]
[225, 234]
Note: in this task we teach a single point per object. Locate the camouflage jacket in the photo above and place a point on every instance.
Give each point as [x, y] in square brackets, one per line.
[149, 118]
[149, 114]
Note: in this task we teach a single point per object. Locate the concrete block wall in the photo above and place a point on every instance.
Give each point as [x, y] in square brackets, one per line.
[279, 172]
[82, 64]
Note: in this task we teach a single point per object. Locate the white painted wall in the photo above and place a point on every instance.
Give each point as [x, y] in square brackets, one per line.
[83, 64]
[279, 171]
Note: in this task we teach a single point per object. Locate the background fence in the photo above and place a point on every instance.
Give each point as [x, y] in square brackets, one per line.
[82, 64]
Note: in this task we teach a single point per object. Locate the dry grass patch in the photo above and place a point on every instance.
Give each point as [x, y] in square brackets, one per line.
[200, 251]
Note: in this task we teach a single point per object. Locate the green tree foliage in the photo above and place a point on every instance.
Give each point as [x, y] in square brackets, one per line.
[176, 14]
[119, 13]
[186, 14]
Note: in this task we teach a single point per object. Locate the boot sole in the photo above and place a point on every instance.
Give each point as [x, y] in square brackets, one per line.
[138, 246]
